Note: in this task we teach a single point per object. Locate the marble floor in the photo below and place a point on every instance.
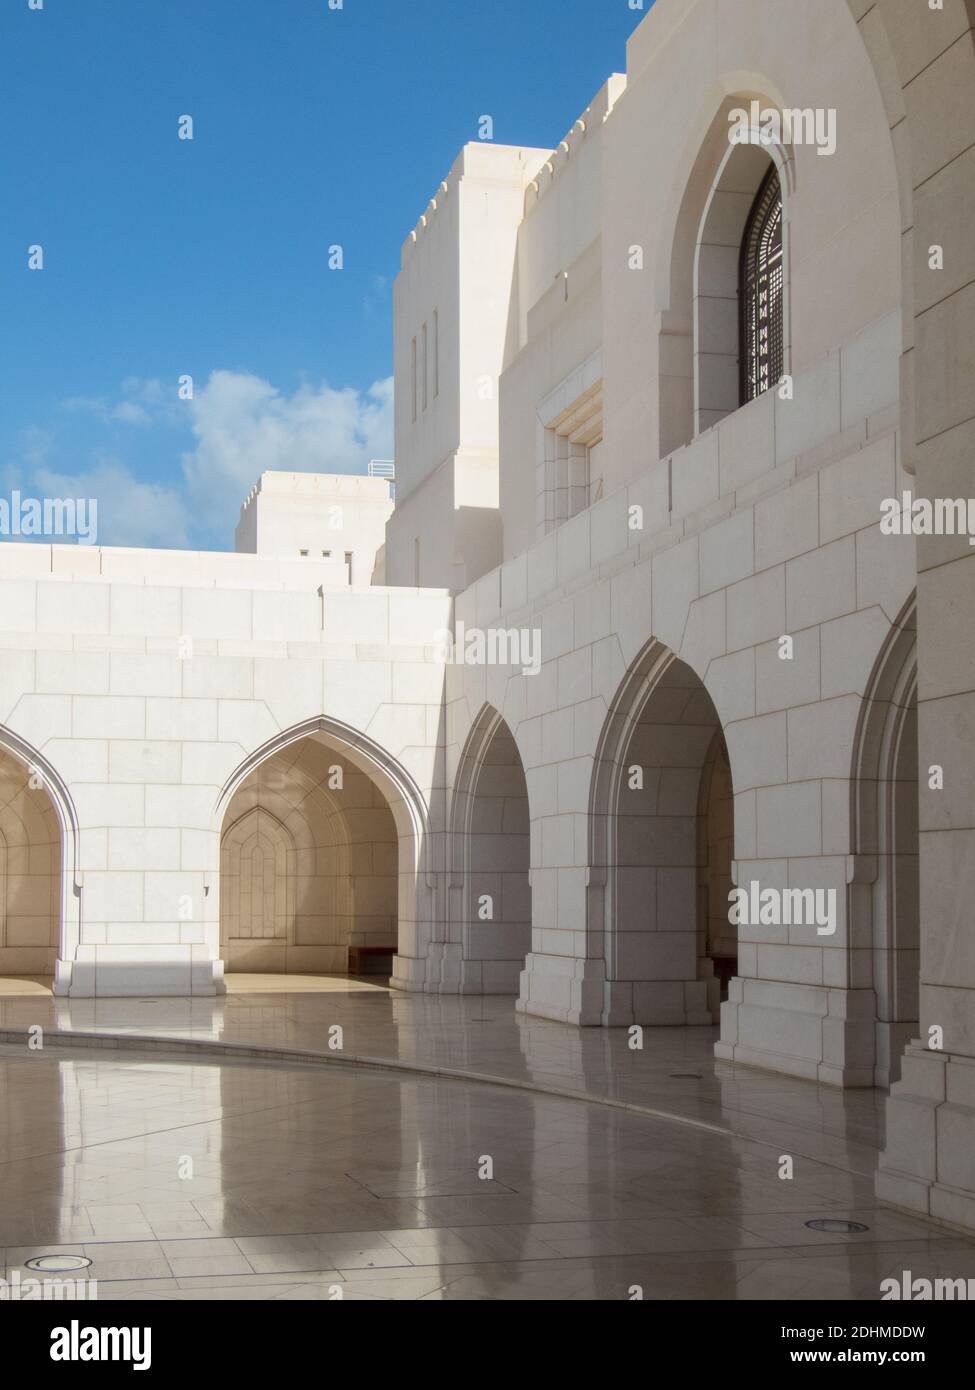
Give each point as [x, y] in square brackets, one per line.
[216, 1175]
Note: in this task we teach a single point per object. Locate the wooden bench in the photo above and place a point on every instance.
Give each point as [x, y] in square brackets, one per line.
[360, 958]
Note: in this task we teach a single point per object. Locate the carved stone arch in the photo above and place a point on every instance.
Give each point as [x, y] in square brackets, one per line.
[492, 856]
[405, 799]
[417, 871]
[647, 917]
[607, 779]
[738, 180]
[709, 189]
[883, 910]
[69, 892]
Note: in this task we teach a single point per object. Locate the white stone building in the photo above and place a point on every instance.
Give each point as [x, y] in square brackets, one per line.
[653, 388]
[337, 520]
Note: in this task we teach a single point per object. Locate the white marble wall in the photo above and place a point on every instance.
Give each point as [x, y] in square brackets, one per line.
[773, 531]
[924, 60]
[150, 702]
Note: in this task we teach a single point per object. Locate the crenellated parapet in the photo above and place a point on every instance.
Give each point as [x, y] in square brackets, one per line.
[571, 144]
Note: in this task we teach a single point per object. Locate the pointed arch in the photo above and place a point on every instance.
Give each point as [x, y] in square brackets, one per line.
[697, 274]
[405, 798]
[884, 909]
[489, 863]
[649, 876]
[69, 894]
[255, 840]
[416, 864]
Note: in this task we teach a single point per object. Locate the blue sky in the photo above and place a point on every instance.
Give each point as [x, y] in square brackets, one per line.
[165, 257]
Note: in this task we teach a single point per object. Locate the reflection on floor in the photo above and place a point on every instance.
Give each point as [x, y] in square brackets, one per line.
[191, 1180]
[232, 1177]
[26, 986]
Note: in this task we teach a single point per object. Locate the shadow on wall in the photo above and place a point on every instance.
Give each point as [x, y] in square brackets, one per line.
[478, 545]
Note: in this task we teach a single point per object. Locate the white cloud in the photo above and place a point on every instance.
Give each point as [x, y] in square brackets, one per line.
[124, 412]
[244, 427]
[130, 512]
[149, 390]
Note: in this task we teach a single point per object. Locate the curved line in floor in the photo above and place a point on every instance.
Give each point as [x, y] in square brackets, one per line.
[231, 1051]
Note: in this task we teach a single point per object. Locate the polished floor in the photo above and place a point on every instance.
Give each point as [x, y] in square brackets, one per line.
[214, 1175]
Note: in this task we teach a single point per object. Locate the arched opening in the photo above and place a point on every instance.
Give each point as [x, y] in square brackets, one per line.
[661, 849]
[310, 876]
[30, 871]
[884, 894]
[491, 859]
[704, 323]
[740, 285]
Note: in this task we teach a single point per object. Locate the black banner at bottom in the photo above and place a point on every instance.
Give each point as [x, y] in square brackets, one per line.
[169, 1337]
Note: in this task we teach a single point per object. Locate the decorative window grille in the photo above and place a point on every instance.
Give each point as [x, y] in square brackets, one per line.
[762, 280]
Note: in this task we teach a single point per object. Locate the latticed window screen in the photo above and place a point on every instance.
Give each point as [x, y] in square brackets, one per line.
[760, 293]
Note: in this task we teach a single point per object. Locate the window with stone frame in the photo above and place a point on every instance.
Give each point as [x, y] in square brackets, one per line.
[760, 295]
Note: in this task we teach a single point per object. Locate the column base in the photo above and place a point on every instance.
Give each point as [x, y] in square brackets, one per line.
[120, 972]
[445, 971]
[563, 988]
[413, 974]
[577, 991]
[928, 1164]
[660, 1003]
[809, 1031]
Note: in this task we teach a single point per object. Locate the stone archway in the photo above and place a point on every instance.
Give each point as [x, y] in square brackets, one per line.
[490, 860]
[661, 807]
[308, 866]
[884, 892]
[359, 853]
[40, 893]
[698, 276]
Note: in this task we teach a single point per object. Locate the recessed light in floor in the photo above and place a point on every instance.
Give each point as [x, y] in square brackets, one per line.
[56, 1264]
[837, 1228]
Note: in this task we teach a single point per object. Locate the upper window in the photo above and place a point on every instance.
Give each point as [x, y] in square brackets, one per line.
[762, 275]
[413, 380]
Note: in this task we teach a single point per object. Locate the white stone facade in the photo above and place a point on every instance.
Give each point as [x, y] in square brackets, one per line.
[147, 693]
[740, 679]
[705, 535]
[336, 520]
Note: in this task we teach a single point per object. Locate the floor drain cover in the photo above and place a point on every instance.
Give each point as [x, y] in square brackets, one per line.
[838, 1228]
[56, 1264]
